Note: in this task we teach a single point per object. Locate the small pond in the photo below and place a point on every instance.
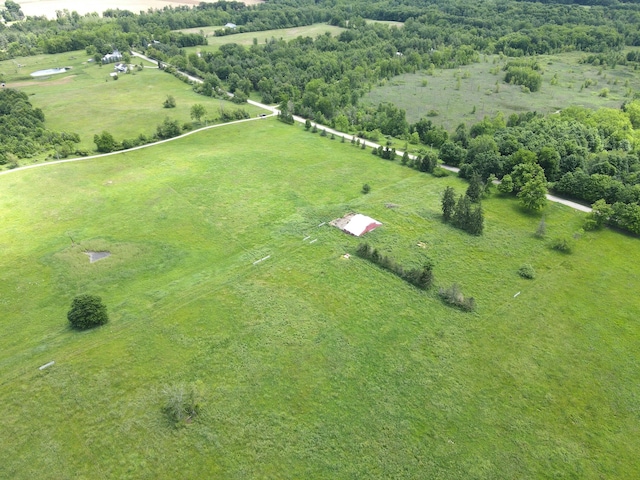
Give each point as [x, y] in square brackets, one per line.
[50, 71]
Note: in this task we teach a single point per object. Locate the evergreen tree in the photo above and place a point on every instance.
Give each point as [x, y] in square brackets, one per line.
[462, 212]
[474, 191]
[476, 221]
[448, 203]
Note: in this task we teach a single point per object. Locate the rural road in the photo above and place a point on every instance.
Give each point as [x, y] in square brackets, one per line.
[274, 111]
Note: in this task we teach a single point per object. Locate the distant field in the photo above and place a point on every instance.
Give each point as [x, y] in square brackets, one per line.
[310, 365]
[454, 100]
[86, 100]
[48, 8]
[390, 23]
[262, 37]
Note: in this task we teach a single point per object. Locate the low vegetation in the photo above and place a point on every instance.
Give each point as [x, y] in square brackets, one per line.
[243, 337]
[283, 346]
[453, 296]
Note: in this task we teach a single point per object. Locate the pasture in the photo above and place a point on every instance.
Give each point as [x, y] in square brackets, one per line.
[127, 107]
[87, 101]
[469, 93]
[310, 365]
[261, 37]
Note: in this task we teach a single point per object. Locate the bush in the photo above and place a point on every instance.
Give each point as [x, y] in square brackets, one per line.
[181, 403]
[87, 311]
[169, 102]
[440, 172]
[453, 296]
[527, 271]
[563, 245]
[366, 188]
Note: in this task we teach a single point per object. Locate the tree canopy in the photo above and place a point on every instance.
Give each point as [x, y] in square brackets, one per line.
[87, 311]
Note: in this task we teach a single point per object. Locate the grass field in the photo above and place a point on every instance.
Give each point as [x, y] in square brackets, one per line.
[310, 365]
[86, 100]
[262, 37]
[49, 8]
[453, 94]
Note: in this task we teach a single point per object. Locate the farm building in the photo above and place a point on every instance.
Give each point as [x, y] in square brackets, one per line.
[230, 25]
[355, 224]
[112, 57]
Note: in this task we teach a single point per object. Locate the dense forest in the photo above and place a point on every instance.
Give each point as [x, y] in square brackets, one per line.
[587, 155]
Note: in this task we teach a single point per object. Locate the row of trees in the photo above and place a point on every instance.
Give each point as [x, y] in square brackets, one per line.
[419, 277]
[105, 141]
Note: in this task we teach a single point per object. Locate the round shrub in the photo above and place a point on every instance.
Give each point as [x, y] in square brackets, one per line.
[87, 311]
[527, 271]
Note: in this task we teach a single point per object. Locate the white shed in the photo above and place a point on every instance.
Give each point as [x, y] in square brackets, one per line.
[356, 224]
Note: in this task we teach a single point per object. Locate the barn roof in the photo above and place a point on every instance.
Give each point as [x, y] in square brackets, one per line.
[356, 224]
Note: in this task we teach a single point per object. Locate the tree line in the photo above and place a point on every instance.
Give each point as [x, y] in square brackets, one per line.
[22, 130]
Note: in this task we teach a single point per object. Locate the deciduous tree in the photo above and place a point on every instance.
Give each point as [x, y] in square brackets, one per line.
[87, 311]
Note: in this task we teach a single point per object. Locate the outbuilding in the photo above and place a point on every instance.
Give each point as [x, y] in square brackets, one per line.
[356, 224]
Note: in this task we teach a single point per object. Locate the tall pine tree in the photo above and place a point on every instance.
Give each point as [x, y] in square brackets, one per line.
[448, 203]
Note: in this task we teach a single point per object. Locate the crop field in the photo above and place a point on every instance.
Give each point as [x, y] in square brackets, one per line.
[308, 364]
[48, 8]
[471, 92]
[87, 101]
[247, 38]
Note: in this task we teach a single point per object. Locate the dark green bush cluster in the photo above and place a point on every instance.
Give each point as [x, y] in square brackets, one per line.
[527, 271]
[562, 244]
[462, 214]
[620, 215]
[421, 278]
[87, 311]
[385, 152]
[237, 114]
[523, 72]
[453, 296]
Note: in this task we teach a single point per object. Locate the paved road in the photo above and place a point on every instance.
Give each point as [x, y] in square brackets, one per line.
[274, 111]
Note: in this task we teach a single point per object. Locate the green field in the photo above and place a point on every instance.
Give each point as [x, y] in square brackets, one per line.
[261, 37]
[86, 100]
[310, 365]
[453, 94]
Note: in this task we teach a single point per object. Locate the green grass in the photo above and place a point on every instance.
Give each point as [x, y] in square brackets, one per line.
[86, 100]
[310, 365]
[390, 23]
[453, 100]
[261, 37]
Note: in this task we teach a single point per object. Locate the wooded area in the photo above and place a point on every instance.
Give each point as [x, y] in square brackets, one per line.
[584, 154]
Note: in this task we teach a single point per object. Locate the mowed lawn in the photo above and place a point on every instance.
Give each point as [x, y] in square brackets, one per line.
[87, 101]
[471, 92]
[310, 365]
